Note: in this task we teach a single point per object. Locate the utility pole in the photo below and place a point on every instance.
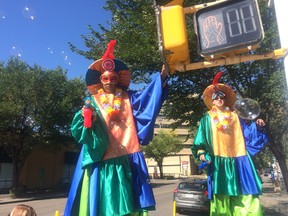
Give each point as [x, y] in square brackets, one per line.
[282, 17]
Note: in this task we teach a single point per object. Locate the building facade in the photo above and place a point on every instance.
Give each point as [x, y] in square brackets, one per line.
[47, 169]
[180, 165]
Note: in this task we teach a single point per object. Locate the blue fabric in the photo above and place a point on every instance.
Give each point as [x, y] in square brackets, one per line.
[93, 190]
[255, 139]
[247, 176]
[210, 183]
[77, 179]
[73, 210]
[146, 106]
[246, 180]
[142, 189]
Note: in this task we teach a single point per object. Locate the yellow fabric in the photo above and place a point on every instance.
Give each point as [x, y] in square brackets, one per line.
[84, 197]
[122, 137]
[224, 141]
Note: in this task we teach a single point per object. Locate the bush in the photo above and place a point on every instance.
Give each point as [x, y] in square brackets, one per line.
[16, 192]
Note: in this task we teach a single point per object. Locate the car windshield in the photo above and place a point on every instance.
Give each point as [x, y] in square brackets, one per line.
[191, 186]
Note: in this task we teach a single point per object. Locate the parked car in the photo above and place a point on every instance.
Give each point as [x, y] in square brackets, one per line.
[192, 195]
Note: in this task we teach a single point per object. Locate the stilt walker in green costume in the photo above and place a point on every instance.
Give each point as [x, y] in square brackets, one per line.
[111, 176]
[226, 142]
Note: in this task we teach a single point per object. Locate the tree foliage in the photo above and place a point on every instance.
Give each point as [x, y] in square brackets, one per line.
[133, 25]
[163, 144]
[36, 109]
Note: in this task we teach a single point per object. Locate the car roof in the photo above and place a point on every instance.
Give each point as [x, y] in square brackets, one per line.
[194, 181]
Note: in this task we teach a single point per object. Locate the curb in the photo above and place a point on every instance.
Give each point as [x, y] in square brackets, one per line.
[7, 199]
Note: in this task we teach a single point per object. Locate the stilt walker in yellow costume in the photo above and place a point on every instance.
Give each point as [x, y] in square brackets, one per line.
[226, 142]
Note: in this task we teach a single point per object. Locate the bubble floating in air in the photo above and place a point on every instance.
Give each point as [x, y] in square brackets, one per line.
[16, 52]
[66, 58]
[2, 16]
[50, 50]
[247, 108]
[28, 13]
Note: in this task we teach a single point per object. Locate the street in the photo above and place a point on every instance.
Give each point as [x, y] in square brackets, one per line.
[47, 207]
[273, 203]
[164, 198]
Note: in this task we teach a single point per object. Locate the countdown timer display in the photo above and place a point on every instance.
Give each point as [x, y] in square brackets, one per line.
[227, 26]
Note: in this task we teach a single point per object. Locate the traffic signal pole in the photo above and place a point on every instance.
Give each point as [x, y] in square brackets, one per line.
[282, 17]
[176, 56]
[230, 60]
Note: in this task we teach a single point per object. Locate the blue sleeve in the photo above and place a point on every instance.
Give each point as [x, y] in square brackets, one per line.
[146, 106]
[255, 139]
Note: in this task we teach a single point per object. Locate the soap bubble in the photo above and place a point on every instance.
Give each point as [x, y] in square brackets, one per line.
[2, 16]
[28, 13]
[50, 50]
[66, 58]
[16, 52]
[247, 108]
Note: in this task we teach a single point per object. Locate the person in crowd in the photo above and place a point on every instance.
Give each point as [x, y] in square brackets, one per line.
[111, 176]
[226, 143]
[22, 210]
[276, 177]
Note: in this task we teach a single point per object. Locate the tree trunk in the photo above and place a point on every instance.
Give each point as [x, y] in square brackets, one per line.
[160, 164]
[15, 160]
[284, 172]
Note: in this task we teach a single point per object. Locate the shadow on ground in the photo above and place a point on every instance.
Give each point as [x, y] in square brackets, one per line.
[272, 212]
[157, 185]
[190, 213]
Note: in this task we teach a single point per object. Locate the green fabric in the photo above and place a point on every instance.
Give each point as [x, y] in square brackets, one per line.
[84, 197]
[226, 198]
[95, 139]
[116, 187]
[243, 205]
[203, 138]
[224, 170]
[225, 176]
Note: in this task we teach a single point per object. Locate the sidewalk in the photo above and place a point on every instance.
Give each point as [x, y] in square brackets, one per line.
[274, 203]
[6, 198]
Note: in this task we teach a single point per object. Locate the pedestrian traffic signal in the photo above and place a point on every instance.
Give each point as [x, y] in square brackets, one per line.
[227, 26]
[174, 36]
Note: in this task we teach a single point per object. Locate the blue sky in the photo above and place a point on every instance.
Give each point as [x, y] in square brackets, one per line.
[38, 31]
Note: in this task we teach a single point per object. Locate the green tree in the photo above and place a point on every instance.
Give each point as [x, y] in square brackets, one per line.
[133, 25]
[36, 109]
[163, 145]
